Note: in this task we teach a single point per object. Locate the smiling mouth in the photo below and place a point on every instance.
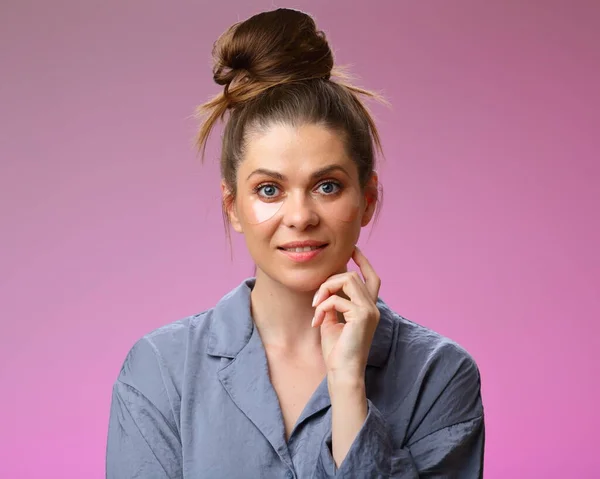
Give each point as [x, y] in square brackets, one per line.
[303, 249]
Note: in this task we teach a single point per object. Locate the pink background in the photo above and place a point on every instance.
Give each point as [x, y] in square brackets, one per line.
[489, 233]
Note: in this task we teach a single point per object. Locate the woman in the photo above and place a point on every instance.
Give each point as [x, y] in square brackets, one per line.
[302, 371]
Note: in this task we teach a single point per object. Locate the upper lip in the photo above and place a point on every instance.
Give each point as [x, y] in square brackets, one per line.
[302, 244]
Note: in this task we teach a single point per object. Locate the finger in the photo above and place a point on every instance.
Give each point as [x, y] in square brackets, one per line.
[349, 283]
[330, 319]
[372, 280]
[327, 288]
[332, 304]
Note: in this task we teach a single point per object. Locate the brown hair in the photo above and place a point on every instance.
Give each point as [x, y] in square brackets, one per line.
[276, 67]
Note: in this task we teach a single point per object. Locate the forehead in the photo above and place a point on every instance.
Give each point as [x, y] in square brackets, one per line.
[295, 149]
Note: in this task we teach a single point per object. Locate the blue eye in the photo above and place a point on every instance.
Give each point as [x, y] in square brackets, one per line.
[267, 191]
[329, 187]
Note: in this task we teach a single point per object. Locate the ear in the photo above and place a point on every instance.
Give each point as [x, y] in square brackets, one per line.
[229, 209]
[371, 196]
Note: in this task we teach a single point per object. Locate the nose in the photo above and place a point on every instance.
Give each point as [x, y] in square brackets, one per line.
[299, 211]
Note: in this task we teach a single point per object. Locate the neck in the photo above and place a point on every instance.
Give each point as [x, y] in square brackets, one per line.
[283, 316]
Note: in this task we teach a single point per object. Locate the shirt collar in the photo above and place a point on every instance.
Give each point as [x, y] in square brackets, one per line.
[232, 326]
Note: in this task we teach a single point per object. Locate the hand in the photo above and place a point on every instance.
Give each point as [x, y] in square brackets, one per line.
[346, 344]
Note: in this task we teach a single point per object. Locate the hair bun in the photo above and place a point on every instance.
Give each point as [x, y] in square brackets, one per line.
[271, 48]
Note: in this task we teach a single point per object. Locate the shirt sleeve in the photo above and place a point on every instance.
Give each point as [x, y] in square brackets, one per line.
[449, 442]
[142, 441]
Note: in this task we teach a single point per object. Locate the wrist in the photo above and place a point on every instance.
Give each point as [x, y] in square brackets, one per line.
[346, 386]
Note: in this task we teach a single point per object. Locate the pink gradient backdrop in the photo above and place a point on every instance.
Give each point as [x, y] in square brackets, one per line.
[489, 232]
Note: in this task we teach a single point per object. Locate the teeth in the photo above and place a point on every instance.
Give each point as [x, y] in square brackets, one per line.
[302, 250]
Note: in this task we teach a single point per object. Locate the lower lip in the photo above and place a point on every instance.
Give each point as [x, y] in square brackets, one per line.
[303, 256]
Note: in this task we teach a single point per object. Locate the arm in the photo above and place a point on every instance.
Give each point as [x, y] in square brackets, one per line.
[447, 437]
[349, 410]
[143, 441]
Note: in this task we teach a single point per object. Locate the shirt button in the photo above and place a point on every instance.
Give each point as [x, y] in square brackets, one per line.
[289, 475]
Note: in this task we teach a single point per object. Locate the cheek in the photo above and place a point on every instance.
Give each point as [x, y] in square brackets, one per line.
[346, 232]
[259, 211]
[349, 214]
[257, 236]
[346, 209]
[254, 211]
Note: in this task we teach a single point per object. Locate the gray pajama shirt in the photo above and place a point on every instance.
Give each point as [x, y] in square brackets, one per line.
[193, 399]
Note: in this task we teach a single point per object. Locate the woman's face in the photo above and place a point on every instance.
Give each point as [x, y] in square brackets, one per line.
[299, 204]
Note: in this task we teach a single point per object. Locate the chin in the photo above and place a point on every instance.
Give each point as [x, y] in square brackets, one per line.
[302, 281]
[304, 278]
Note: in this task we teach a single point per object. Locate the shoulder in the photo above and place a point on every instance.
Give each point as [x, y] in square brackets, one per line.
[157, 359]
[432, 369]
[163, 356]
[419, 346]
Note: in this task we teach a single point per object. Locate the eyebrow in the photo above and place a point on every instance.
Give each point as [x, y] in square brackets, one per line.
[314, 176]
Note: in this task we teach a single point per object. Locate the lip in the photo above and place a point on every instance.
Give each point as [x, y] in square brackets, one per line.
[302, 244]
[303, 256]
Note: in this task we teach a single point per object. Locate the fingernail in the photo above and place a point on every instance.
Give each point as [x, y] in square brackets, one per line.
[312, 323]
[314, 301]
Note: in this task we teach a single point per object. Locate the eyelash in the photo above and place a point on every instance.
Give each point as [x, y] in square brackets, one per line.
[337, 184]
